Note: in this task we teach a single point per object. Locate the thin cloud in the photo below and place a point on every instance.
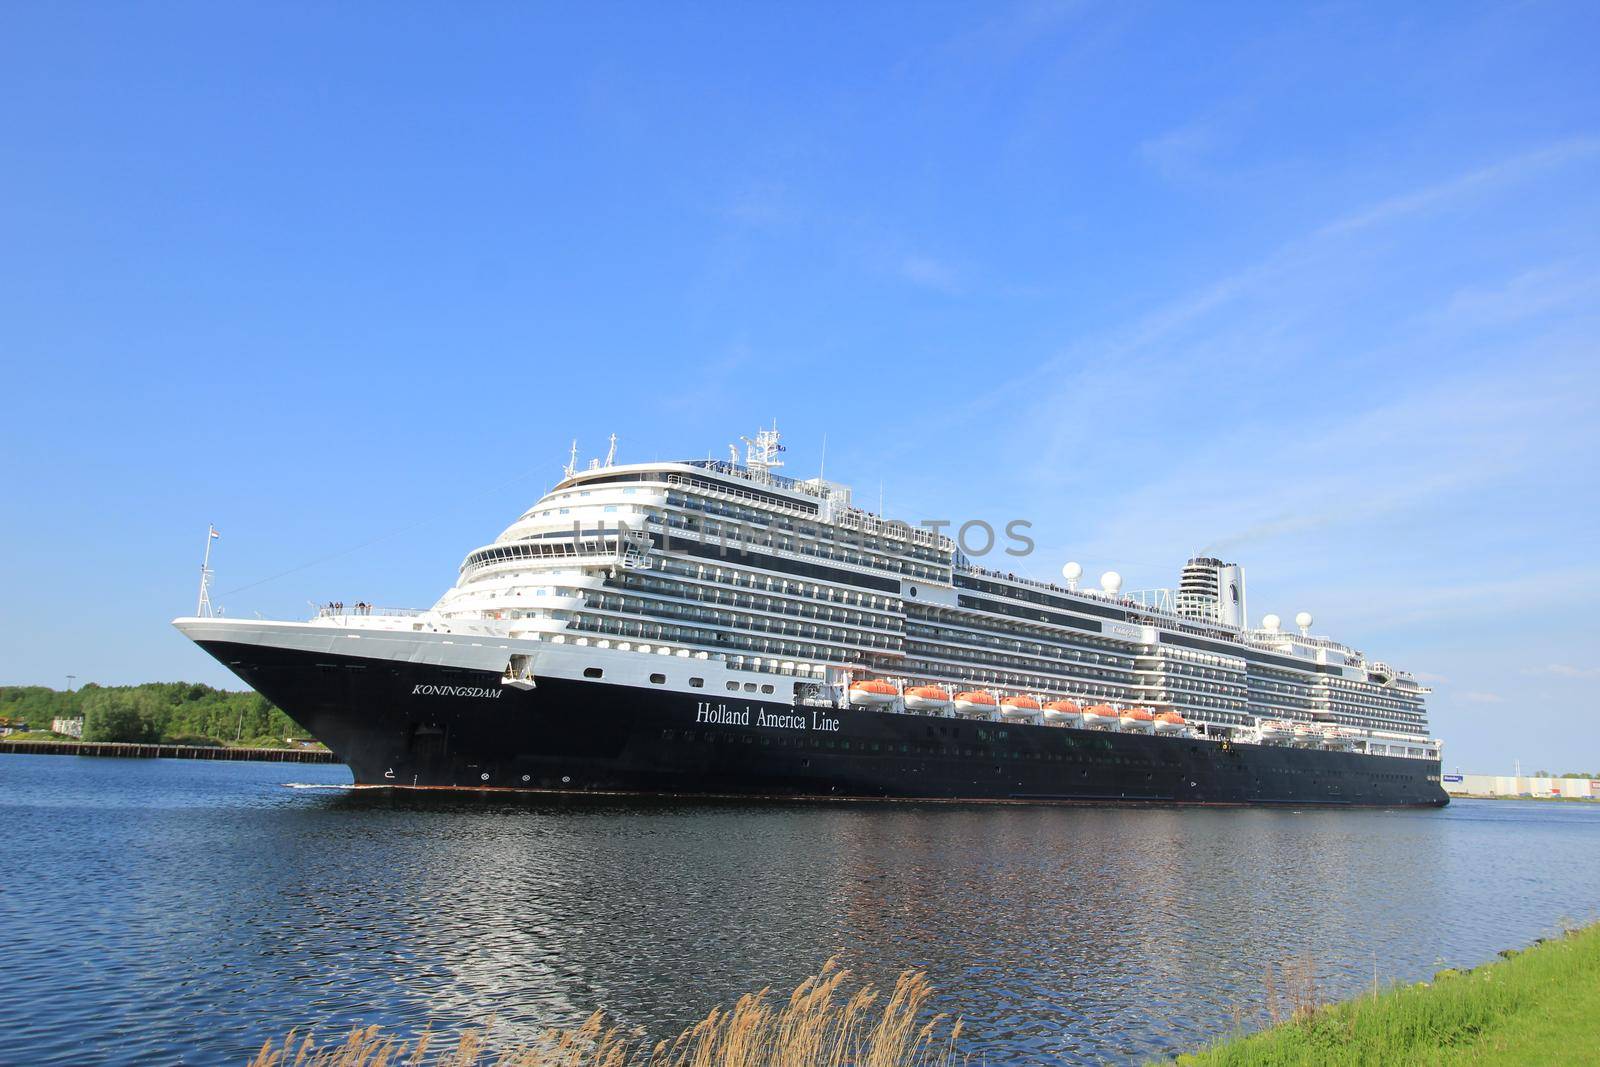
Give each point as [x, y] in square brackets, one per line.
[1441, 441]
[1527, 295]
[1177, 153]
[1447, 193]
[1150, 342]
[1014, 28]
[1537, 592]
[930, 273]
[1231, 484]
[1189, 151]
[761, 204]
[1564, 670]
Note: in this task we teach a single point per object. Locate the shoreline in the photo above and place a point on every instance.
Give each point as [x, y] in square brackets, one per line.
[1531, 1005]
[128, 750]
[1520, 796]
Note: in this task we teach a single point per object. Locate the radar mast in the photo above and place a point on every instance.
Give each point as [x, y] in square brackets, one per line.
[203, 609]
[761, 452]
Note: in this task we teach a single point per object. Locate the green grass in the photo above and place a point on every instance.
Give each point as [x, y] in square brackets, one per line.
[1538, 1006]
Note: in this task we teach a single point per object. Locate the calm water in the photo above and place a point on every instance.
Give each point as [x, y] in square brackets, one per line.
[174, 911]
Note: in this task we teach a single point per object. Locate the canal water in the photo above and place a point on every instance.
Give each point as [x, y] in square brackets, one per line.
[169, 911]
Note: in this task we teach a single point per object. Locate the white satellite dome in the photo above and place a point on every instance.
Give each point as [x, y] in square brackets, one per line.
[1271, 622]
[1303, 620]
[1072, 571]
[1111, 581]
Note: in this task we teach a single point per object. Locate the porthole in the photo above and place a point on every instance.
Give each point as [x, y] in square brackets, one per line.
[593, 672]
[658, 679]
[697, 683]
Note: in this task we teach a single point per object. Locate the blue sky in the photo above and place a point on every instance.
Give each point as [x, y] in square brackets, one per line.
[1317, 289]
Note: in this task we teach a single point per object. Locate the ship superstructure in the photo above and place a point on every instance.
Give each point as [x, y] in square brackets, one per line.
[729, 588]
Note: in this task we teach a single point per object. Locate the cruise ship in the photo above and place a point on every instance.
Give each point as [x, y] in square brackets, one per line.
[715, 628]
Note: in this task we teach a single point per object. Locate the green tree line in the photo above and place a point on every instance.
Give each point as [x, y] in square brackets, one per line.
[153, 711]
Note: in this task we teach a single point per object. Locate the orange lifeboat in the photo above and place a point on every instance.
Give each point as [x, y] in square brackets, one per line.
[872, 692]
[975, 702]
[1273, 730]
[1063, 711]
[1019, 707]
[927, 698]
[1137, 720]
[1170, 722]
[1102, 715]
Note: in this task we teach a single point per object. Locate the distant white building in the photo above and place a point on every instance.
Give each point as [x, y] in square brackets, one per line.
[1508, 785]
[70, 727]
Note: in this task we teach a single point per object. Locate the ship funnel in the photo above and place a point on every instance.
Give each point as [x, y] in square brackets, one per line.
[1212, 590]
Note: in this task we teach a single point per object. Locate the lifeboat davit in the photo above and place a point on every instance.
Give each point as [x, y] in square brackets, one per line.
[1099, 715]
[1334, 738]
[1306, 735]
[927, 698]
[1271, 730]
[1019, 707]
[1137, 720]
[976, 702]
[1064, 712]
[1170, 722]
[872, 692]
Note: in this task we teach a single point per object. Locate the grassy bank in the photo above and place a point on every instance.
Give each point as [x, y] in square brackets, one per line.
[825, 1022]
[1541, 1005]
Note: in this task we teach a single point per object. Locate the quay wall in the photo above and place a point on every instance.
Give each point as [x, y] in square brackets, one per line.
[1507, 785]
[130, 751]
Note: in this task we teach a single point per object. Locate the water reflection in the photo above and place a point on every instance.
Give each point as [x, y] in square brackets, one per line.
[1086, 933]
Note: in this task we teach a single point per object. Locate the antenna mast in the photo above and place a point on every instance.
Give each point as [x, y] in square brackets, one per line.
[761, 454]
[203, 608]
[572, 461]
[611, 453]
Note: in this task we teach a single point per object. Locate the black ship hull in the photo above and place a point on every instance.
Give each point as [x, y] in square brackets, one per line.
[421, 726]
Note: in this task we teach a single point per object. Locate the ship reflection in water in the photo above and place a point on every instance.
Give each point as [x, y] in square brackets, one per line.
[195, 909]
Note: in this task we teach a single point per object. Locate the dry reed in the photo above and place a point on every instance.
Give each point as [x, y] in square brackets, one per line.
[1291, 990]
[823, 1023]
